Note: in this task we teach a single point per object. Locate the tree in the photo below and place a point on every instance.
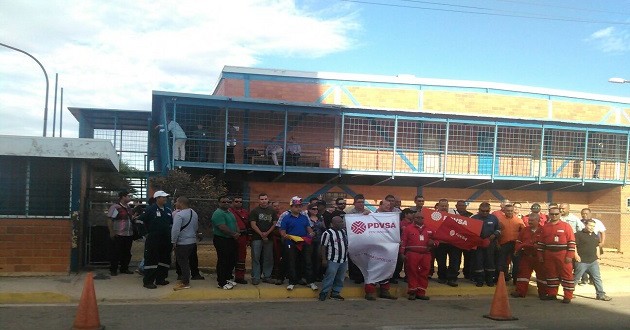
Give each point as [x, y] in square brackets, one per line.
[202, 192]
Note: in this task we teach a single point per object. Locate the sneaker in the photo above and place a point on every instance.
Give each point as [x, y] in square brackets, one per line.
[150, 286]
[240, 281]
[336, 296]
[231, 282]
[313, 286]
[164, 282]
[290, 287]
[255, 281]
[181, 286]
[227, 286]
[604, 298]
[197, 278]
[322, 297]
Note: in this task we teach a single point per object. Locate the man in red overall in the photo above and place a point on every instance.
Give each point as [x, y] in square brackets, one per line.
[556, 250]
[526, 246]
[242, 221]
[415, 250]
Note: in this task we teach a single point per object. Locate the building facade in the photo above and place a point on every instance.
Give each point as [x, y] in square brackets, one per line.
[402, 135]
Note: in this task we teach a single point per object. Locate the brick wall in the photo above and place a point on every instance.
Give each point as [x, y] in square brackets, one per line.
[39, 246]
[406, 97]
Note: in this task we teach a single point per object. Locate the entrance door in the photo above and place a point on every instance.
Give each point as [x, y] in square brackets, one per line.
[485, 147]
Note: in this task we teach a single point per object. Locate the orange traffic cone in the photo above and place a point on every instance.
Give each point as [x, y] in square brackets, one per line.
[87, 313]
[500, 309]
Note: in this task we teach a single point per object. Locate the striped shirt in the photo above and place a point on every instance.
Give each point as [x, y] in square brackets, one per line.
[336, 244]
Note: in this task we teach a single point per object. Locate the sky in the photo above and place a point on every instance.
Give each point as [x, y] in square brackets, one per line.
[113, 54]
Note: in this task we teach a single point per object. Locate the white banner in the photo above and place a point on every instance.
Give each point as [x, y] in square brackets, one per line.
[373, 242]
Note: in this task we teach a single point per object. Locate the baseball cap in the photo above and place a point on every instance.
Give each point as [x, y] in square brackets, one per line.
[160, 193]
[295, 200]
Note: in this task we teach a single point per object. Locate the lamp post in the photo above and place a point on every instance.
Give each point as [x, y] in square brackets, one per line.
[45, 75]
[619, 81]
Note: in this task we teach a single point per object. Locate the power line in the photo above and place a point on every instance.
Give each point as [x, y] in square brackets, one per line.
[564, 7]
[534, 16]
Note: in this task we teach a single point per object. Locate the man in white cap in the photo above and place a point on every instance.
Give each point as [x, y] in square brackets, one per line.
[158, 219]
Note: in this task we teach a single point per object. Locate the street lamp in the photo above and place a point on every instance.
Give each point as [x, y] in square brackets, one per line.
[45, 75]
[618, 80]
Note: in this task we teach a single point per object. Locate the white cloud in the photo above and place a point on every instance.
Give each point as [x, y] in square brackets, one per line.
[113, 53]
[611, 40]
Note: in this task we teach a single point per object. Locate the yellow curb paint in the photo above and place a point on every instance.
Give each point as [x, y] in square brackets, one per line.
[213, 294]
[33, 298]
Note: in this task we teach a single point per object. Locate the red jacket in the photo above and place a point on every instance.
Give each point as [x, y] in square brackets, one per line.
[242, 218]
[526, 244]
[416, 239]
[557, 237]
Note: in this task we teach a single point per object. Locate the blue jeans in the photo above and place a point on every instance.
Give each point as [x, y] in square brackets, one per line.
[335, 274]
[266, 247]
[593, 269]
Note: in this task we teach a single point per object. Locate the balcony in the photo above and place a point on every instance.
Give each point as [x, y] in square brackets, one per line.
[371, 146]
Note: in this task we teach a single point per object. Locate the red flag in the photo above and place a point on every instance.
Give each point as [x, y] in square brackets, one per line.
[454, 233]
[433, 218]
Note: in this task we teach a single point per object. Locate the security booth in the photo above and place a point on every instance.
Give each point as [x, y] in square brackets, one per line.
[43, 199]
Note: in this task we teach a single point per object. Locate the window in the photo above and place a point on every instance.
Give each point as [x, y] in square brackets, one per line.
[35, 186]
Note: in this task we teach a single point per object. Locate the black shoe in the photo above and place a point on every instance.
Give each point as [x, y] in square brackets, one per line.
[126, 271]
[452, 283]
[337, 297]
[479, 284]
[302, 282]
[199, 277]
[490, 284]
[423, 297]
[150, 286]
[566, 301]
[240, 281]
[441, 281]
[165, 282]
[113, 273]
[549, 298]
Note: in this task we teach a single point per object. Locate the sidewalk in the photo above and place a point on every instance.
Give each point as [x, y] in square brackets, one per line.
[615, 270]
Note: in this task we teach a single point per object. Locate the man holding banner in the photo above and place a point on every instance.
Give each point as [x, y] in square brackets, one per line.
[373, 243]
[415, 250]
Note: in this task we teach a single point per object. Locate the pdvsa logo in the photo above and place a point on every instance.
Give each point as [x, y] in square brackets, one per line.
[358, 227]
[436, 216]
[386, 225]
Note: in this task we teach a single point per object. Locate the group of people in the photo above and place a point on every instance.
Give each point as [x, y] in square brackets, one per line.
[308, 243]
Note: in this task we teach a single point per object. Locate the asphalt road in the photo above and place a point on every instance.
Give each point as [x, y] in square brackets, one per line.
[441, 313]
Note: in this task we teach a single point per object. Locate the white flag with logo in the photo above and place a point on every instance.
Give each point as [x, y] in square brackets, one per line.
[373, 242]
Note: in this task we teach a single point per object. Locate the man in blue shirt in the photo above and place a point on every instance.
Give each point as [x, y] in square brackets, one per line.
[484, 266]
[297, 234]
